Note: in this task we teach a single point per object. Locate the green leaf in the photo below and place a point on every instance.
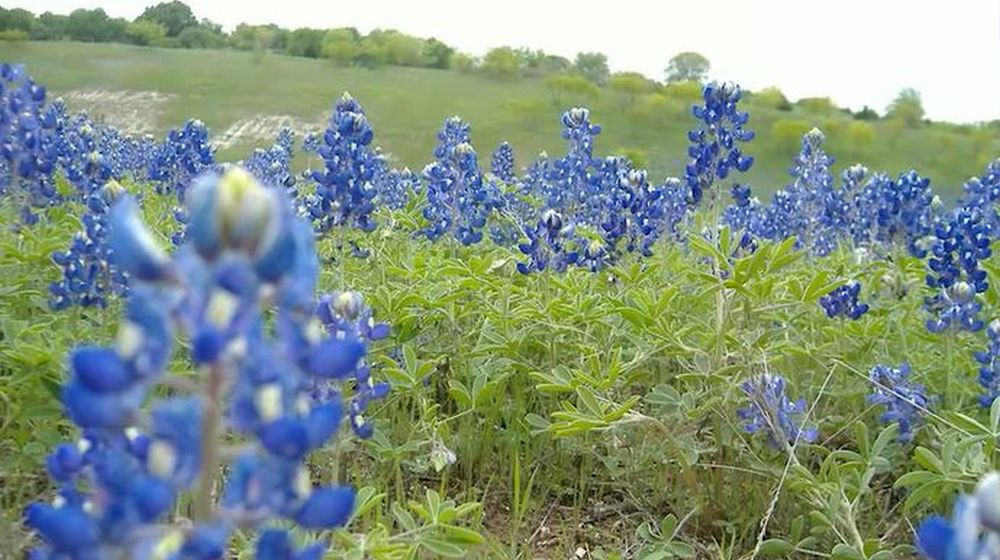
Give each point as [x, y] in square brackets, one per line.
[442, 547]
[403, 517]
[915, 478]
[776, 547]
[462, 535]
[846, 552]
[927, 459]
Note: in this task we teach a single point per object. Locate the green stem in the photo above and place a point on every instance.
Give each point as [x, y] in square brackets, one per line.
[210, 456]
[949, 364]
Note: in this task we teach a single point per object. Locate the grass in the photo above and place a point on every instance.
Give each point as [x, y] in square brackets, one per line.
[407, 106]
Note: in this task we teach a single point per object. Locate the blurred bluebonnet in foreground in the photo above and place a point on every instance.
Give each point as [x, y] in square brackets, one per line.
[773, 413]
[245, 253]
[904, 400]
[843, 301]
[972, 533]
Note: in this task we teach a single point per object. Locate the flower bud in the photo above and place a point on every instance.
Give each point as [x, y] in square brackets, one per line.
[232, 212]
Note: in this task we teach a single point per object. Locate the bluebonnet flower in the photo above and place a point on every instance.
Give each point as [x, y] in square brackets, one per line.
[396, 188]
[676, 210]
[954, 307]
[81, 155]
[647, 206]
[989, 360]
[972, 533]
[182, 156]
[772, 412]
[346, 316]
[982, 193]
[903, 399]
[891, 212]
[273, 166]
[570, 181]
[244, 251]
[601, 201]
[549, 246]
[843, 301]
[459, 200]
[715, 149]
[818, 213]
[502, 163]
[29, 142]
[345, 187]
[89, 275]
[960, 243]
[745, 213]
[176, 162]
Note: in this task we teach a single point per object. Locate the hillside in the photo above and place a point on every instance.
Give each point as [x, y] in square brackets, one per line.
[244, 97]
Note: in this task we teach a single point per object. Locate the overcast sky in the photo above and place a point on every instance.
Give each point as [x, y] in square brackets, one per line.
[856, 51]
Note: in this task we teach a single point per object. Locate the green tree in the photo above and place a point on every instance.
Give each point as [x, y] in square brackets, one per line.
[866, 114]
[817, 105]
[305, 42]
[687, 91]
[554, 64]
[16, 19]
[687, 67]
[174, 16]
[502, 62]
[629, 85]
[786, 135]
[773, 98]
[437, 54]
[907, 107]
[145, 32]
[570, 88]
[256, 37]
[341, 45]
[861, 134]
[49, 27]
[205, 35]
[388, 46]
[593, 66]
[371, 53]
[463, 62]
[94, 26]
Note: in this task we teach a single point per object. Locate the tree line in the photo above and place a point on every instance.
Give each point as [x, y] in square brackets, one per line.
[173, 24]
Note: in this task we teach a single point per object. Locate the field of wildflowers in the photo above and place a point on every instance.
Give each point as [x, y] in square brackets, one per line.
[488, 357]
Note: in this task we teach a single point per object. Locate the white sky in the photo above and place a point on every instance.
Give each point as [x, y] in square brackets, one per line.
[856, 51]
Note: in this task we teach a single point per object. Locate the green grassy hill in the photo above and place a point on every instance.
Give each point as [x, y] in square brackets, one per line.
[234, 91]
